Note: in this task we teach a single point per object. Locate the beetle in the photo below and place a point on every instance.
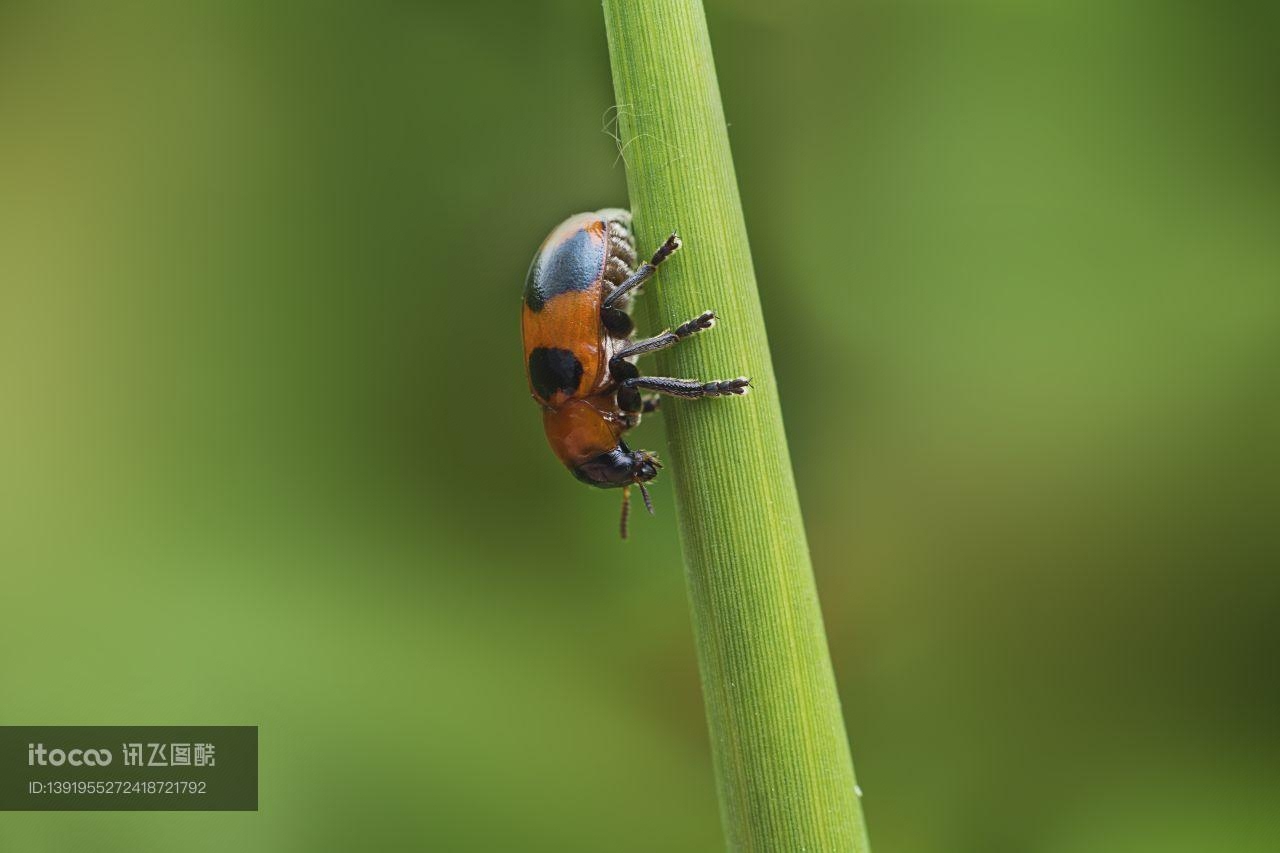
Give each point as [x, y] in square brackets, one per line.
[580, 353]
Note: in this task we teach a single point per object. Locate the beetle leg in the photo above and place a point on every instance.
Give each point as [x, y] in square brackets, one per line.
[688, 387]
[617, 321]
[629, 399]
[620, 369]
[702, 322]
[631, 404]
[646, 270]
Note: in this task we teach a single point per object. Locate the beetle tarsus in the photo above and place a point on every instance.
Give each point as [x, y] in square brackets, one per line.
[670, 245]
[701, 323]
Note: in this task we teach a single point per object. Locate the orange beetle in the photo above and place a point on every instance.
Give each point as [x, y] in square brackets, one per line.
[580, 355]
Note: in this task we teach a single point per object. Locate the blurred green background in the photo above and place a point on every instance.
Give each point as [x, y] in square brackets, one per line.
[267, 454]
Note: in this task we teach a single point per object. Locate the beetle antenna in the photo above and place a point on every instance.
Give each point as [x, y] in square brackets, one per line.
[626, 510]
[648, 504]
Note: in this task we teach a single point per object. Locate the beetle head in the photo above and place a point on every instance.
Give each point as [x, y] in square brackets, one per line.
[620, 466]
[623, 467]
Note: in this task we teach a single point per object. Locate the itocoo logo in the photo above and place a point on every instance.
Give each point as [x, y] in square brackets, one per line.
[37, 754]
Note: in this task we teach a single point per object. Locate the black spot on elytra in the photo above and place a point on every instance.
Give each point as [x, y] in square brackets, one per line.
[574, 265]
[552, 370]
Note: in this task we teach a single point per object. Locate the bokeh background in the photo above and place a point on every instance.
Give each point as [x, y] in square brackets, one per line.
[267, 454]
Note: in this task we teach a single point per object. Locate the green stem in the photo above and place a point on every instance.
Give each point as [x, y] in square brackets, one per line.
[782, 760]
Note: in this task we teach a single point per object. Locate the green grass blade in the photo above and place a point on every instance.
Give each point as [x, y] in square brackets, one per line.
[781, 756]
